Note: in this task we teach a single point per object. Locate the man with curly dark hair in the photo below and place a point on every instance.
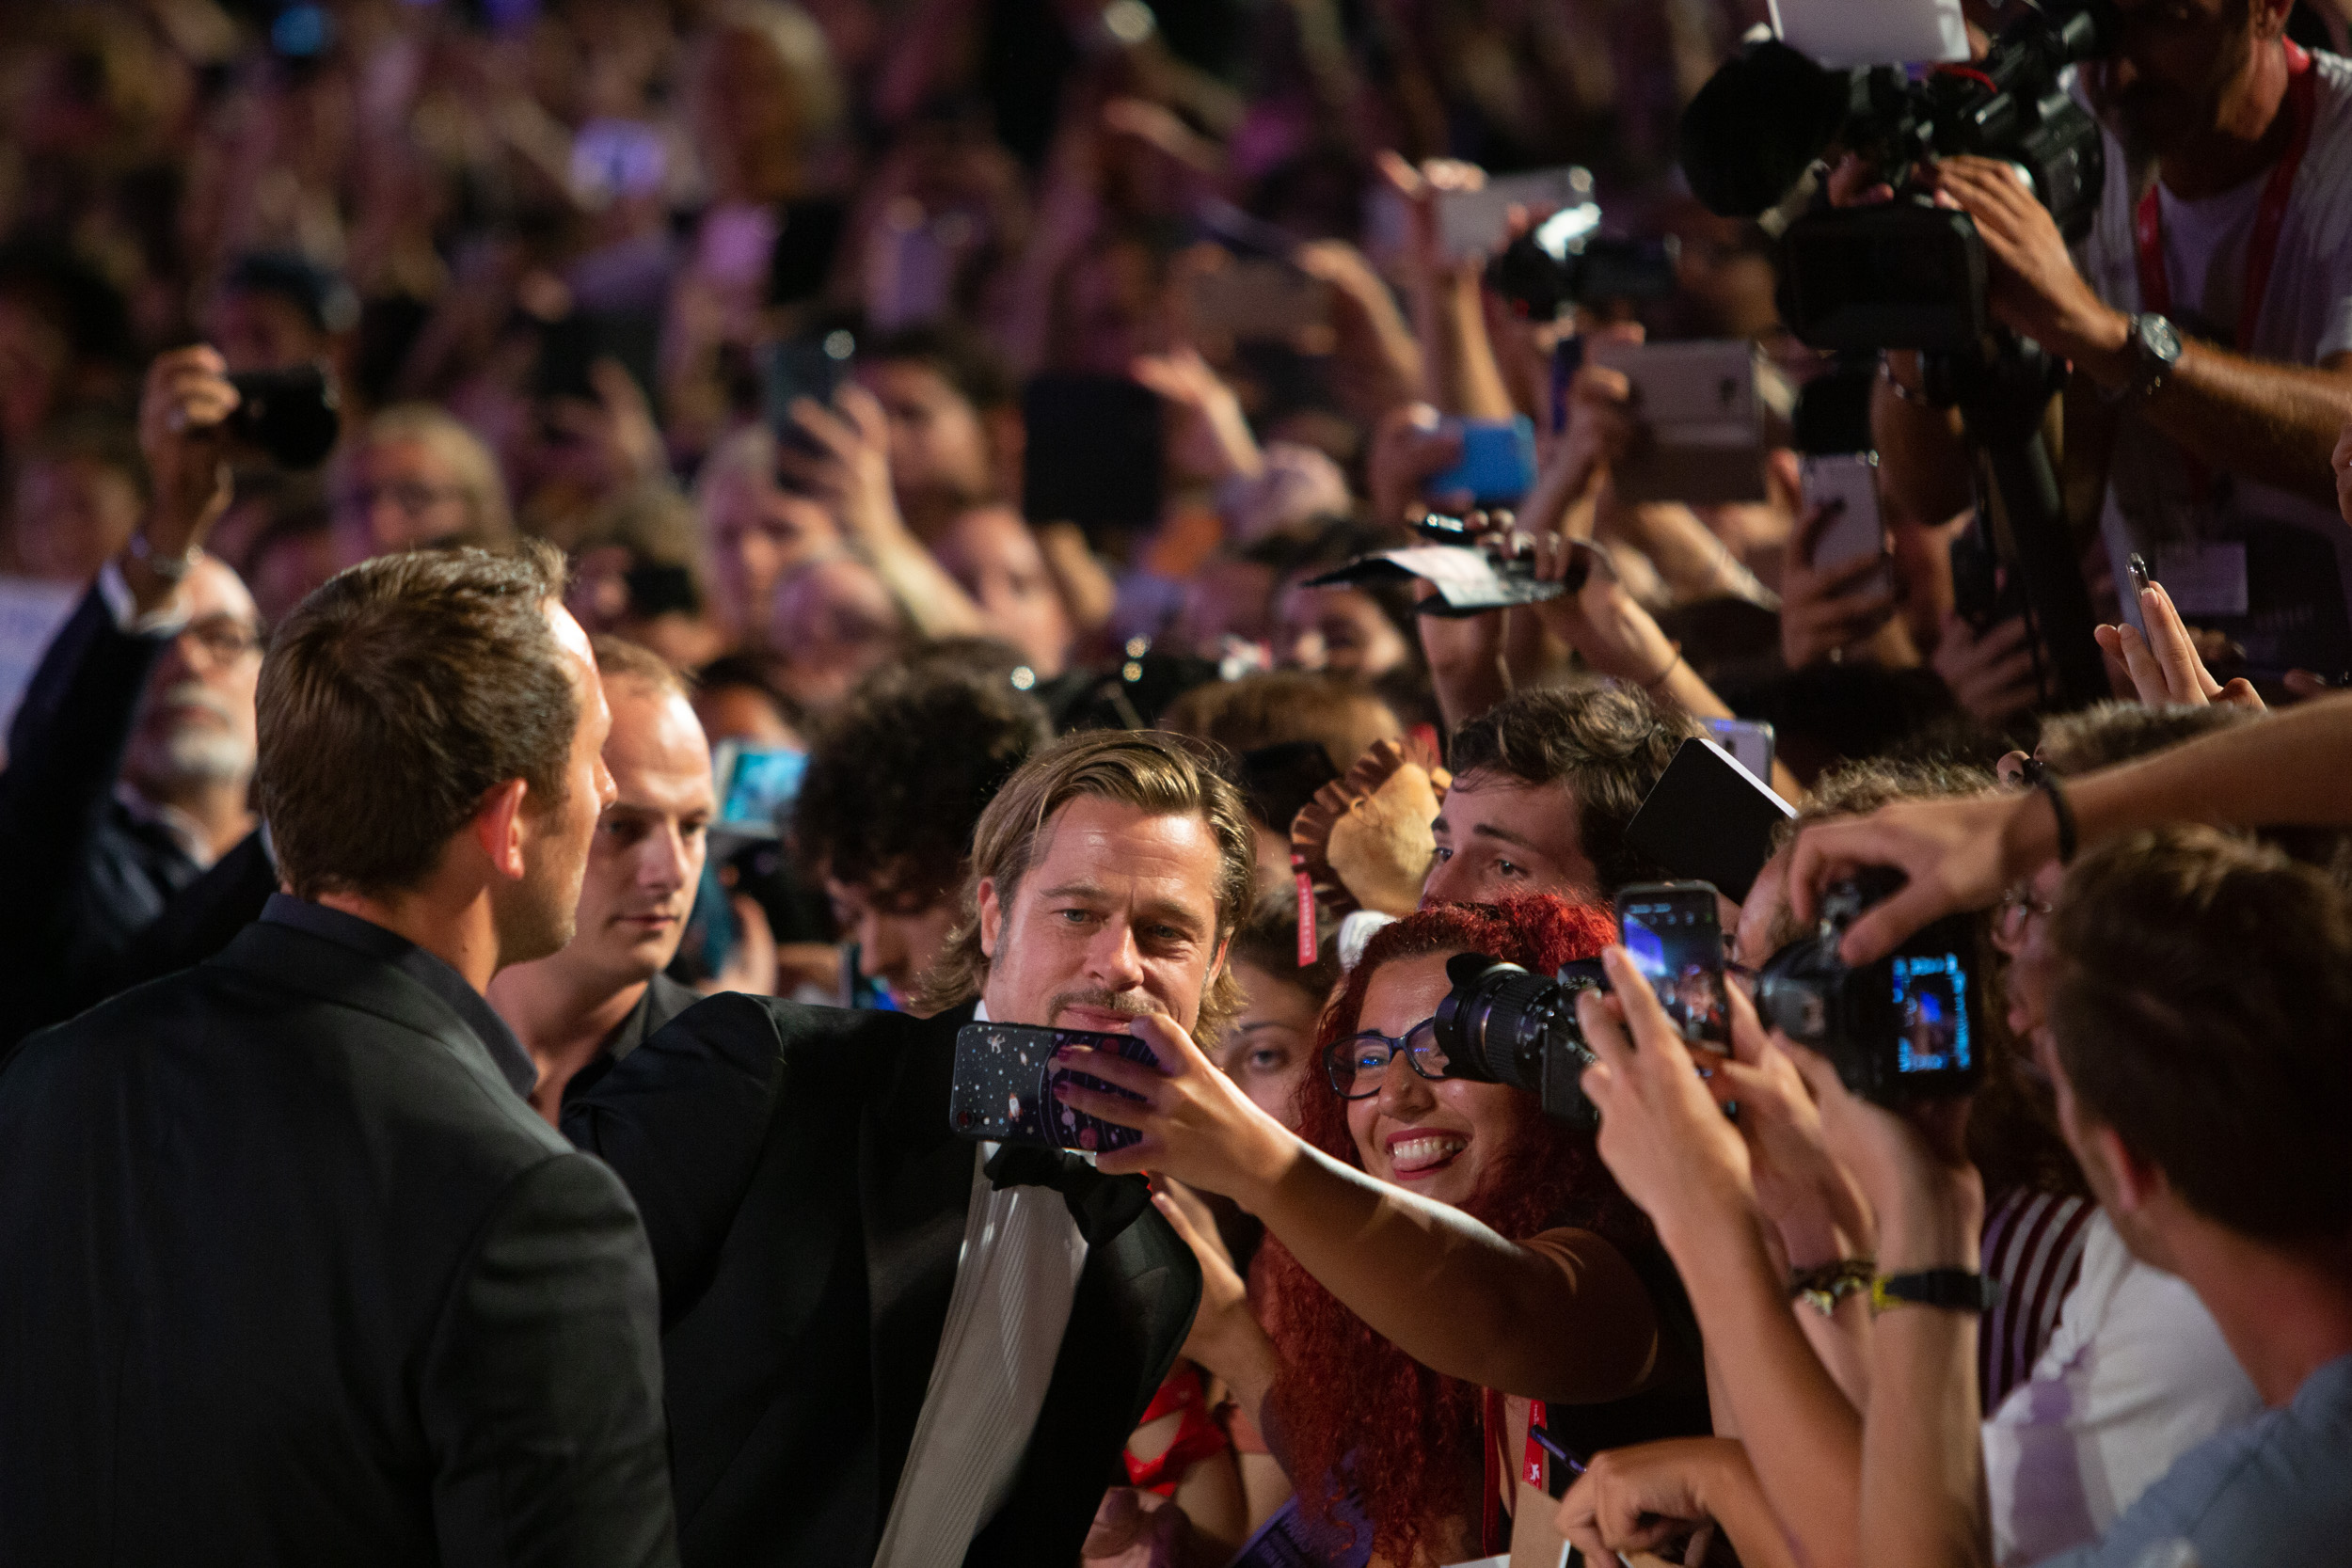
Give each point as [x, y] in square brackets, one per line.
[895, 782]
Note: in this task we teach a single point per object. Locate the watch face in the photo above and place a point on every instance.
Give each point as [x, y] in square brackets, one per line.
[2158, 339]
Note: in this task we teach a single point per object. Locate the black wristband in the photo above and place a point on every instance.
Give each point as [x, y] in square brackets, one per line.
[1955, 1289]
[2065, 814]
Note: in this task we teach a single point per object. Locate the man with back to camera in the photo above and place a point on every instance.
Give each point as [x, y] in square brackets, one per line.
[2211, 316]
[874, 1354]
[579, 1011]
[295, 1273]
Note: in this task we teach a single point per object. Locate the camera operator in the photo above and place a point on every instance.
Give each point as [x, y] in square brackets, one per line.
[2211, 313]
[131, 756]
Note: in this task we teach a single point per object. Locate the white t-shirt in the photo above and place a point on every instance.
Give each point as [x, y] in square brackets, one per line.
[2137, 1375]
[2294, 550]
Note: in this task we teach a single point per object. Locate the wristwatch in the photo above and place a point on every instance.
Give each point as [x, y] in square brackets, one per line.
[1955, 1289]
[171, 568]
[2155, 345]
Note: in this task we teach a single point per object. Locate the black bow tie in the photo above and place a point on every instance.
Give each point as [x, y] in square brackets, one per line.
[1103, 1205]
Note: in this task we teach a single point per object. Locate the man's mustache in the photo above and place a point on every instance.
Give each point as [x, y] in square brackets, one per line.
[194, 695]
[1126, 1003]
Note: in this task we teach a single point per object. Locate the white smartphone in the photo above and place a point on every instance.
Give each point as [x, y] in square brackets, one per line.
[1859, 529]
[1702, 407]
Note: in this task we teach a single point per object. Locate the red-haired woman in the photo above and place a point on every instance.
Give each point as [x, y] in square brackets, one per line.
[1435, 1244]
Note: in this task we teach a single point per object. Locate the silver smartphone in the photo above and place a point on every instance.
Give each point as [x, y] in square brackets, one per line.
[1702, 408]
[1850, 480]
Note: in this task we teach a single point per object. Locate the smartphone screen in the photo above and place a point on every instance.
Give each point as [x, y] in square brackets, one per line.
[1671, 931]
[756, 784]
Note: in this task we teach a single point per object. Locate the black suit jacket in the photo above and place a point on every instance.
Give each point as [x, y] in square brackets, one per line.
[806, 1205]
[291, 1275]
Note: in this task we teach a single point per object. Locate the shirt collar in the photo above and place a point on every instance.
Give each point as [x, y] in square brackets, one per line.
[366, 937]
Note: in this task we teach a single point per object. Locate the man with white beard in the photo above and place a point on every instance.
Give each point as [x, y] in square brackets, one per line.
[129, 761]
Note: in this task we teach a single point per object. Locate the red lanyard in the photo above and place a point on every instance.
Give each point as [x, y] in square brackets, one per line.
[2262, 247]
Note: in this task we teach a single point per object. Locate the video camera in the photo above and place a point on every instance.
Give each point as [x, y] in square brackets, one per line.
[1902, 1029]
[1905, 274]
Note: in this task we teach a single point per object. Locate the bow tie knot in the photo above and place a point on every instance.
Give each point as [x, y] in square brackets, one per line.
[1103, 1205]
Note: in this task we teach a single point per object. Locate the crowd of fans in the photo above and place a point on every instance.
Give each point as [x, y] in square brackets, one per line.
[891, 392]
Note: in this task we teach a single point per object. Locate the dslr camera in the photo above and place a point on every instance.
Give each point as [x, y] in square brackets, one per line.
[1902, 1029]
[1905, 274]
[1504, 1024]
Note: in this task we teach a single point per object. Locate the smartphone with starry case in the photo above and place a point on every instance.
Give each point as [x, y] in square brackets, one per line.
[1005, 1079]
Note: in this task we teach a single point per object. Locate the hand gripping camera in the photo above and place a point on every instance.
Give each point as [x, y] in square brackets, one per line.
[1902, 1029]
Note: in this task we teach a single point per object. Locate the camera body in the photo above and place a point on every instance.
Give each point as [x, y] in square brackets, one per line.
[1505, 1024]
[291, 415]
[1566, 260]
[1902, 1029]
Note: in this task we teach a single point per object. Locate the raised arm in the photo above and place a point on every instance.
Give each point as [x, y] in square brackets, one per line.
[1568, 1320]
[2286, 770]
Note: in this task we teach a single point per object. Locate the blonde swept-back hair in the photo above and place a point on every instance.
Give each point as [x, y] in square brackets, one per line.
[1148, 770]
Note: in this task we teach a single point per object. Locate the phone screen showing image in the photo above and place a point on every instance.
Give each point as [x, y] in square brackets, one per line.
[1671, 932]
[756, 784]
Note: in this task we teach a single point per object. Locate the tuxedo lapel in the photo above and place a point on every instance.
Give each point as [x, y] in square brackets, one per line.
[914, 1187]
[1135, 1304]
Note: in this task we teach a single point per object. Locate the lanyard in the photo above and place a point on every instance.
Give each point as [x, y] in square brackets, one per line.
[2262, 246]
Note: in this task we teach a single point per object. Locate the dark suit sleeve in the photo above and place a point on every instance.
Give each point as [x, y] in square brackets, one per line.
[65, 752]
[542, 1389]
[66, 746]
[683, 1119]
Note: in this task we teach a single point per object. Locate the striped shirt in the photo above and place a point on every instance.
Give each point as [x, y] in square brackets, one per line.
[2033, 1246]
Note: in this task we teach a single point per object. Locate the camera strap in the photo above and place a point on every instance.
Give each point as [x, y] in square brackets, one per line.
[2261, 245]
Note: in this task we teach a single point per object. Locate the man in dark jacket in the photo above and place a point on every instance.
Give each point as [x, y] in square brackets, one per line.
[295, 1276]
[883, 1343]
[130, 758]
[581, 1011]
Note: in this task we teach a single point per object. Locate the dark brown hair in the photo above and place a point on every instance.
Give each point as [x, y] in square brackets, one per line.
[1608, 743]
[2203, 1011]
[1148, 770]
[395, 698]
[900, 773]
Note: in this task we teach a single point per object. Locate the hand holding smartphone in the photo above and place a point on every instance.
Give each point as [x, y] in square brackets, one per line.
[1671, 932]
[1004, 1085]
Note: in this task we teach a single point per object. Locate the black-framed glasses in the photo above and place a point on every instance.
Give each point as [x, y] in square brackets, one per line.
[1356, 1065]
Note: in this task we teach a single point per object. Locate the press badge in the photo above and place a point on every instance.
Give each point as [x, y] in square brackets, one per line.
[2203, 579]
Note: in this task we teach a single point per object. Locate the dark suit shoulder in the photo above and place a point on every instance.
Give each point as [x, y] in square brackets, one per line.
[346, 1079]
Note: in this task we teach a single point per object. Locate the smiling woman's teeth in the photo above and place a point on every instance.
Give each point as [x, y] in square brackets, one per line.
[1417, 1152]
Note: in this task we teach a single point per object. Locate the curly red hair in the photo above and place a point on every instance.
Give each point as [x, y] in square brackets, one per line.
[1356, 1413]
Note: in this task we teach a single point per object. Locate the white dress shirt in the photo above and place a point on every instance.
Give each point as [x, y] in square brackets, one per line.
[1015, 1280]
